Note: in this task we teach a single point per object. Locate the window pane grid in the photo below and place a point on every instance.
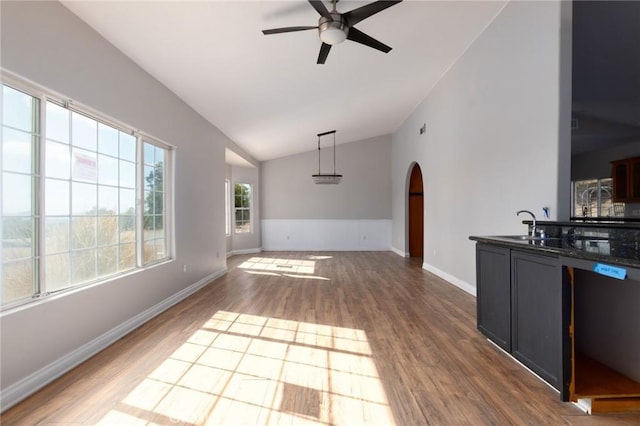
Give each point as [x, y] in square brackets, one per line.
[19, 186]
[594, 198]
[154, 225]
[100, 187]
[89, 184]
[227, 209]
[242, 206]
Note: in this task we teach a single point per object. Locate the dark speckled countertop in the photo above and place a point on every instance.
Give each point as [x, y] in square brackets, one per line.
[618, 245]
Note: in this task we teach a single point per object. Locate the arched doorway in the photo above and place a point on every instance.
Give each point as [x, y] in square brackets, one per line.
[416, 213]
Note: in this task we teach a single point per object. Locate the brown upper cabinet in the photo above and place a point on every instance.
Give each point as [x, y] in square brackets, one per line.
[626, 180]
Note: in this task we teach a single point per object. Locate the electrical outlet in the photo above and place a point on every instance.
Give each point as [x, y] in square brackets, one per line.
[184, 268]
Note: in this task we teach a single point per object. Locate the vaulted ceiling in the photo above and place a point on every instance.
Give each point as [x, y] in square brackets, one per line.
[267, 93]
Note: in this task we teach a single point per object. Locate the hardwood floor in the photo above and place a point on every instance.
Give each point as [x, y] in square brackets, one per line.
[307, 339]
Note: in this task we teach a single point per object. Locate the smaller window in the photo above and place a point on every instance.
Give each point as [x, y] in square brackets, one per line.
[593, 198]
[242, 198]
[227, 207]
[155, 230]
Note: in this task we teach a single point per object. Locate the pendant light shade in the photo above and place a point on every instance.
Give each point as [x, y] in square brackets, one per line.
[327, 178]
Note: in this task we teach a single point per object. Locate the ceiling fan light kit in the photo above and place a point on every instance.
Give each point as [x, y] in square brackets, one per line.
[333, 31]
[327, 178]
[334, 27]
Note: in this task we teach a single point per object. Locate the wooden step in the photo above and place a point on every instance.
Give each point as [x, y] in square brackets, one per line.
[609, 391]
[596, 380]
[615, 405]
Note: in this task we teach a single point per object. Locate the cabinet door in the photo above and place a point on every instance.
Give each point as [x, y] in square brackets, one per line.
[536, 327]
[494, 294]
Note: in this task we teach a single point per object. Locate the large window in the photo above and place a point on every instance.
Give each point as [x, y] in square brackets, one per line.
[90, 197]
[593, 198]
[69, 213]
[19, 205]
[242, 197]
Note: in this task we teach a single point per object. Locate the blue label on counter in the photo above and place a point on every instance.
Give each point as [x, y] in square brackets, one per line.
[610, 271]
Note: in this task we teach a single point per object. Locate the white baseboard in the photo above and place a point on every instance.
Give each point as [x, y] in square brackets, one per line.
[517, 361]
[399, 252]
[471, 289]
[244, 251]
[20, 390]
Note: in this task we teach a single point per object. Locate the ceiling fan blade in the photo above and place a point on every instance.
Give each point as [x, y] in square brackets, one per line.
[324, 52]
[287, 30]
[360, 37]
[320, 8]
[356, 15]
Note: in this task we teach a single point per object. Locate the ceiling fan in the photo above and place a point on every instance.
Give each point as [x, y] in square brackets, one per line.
[334, 27]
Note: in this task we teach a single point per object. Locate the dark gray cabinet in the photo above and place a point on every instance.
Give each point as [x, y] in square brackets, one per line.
[536, 314]
[519, 307]
[493, 294]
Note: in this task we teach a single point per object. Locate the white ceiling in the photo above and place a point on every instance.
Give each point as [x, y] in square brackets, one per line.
[267, 93]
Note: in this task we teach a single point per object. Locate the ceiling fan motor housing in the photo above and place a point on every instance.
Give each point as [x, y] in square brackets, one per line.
[333, 31]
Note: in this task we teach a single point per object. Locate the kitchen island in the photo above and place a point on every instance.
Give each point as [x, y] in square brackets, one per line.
[567, 306]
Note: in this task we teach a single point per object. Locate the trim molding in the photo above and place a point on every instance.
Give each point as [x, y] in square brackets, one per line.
[399, 252]
[244, 251]
[20, 390]
[450, 279]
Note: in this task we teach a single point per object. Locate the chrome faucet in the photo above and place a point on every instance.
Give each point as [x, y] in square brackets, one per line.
[533, 216]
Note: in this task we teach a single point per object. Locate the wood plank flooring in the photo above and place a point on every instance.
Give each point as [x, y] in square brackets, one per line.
[307, 338]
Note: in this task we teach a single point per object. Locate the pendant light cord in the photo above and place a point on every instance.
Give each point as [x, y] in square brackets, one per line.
[318, 154]
[334, 147]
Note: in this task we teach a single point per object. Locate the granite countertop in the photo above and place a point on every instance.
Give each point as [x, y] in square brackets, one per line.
[614, 248]
[596, 223]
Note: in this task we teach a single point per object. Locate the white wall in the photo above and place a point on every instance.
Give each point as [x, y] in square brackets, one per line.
[44, 42]
[298, 214]
[494, 142]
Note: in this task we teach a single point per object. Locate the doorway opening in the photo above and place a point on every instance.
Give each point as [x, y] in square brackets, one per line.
[416, 213]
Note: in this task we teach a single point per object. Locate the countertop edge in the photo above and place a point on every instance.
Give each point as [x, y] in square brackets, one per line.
[561, 252]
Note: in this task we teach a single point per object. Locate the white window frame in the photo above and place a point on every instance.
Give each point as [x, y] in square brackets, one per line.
[250, 209]
[227, 207]
[167, 199]
[43, 95]
[37, 199]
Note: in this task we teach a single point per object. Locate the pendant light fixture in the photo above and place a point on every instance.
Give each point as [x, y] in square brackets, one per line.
[327, 178]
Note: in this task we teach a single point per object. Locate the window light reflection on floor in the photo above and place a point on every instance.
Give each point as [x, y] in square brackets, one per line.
[292, 268]
[245, 369]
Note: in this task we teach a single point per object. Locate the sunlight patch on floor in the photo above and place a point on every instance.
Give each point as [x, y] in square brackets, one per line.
[247, 369]
[275, 264]
[292, 268]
